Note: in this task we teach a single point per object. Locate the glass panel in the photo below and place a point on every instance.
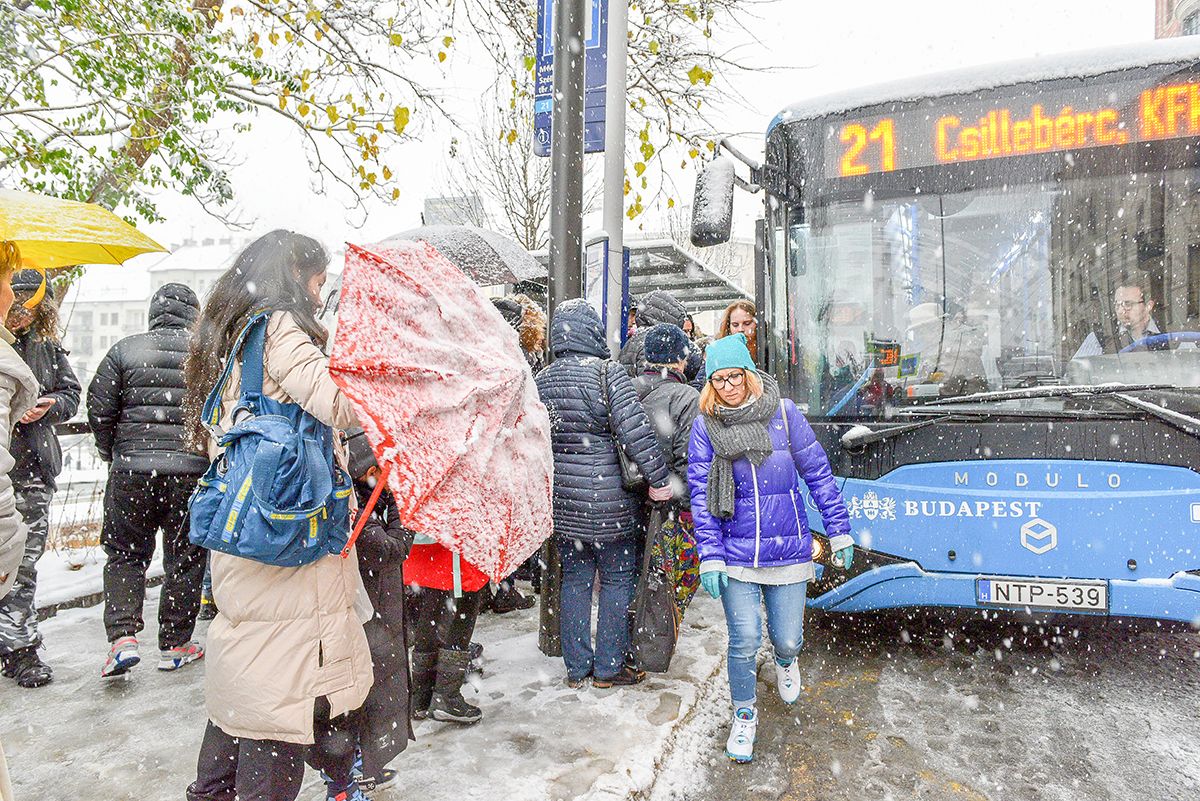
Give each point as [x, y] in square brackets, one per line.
[900, 300]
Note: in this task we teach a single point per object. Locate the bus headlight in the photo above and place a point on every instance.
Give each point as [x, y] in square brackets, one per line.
[818, 550]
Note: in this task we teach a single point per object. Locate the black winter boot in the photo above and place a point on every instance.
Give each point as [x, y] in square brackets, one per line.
[509, 599]
[27, 668]
[448, 703]
[424, 674]
[208, 606]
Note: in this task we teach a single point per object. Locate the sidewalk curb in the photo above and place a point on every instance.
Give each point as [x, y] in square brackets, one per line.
[706, 691]
[83, 601]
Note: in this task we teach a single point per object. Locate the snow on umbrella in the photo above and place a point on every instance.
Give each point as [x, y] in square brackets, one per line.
[447, 401]
[487, 257]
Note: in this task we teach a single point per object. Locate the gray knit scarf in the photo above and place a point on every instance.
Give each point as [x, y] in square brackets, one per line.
[736, 434]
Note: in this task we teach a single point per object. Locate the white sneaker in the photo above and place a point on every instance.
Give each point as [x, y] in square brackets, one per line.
[121, 657]
[740, 745]
[175, 658]
[787, 679]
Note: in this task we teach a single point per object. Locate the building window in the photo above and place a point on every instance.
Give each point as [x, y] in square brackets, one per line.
[1191, 24]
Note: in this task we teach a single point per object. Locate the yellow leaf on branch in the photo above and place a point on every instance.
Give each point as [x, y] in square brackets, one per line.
[400, 119]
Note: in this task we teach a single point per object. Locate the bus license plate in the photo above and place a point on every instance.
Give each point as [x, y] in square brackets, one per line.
[1087, 596]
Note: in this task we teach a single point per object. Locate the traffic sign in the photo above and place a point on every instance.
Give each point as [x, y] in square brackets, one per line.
[595, 73]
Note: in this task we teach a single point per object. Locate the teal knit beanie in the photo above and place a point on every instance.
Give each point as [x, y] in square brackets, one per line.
[726, 352]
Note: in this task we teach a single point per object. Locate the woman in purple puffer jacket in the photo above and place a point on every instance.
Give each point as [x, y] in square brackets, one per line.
[747, 454]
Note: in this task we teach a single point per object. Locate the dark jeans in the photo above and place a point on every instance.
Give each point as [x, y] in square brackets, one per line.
[617, 564]
[442, 621]
[18, 617]
[136, 507]
[270, 770]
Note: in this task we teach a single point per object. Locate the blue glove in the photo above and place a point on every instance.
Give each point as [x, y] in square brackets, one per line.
[843, 558]
[714, 581]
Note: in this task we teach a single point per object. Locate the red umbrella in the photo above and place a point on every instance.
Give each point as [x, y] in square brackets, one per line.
[447, 402]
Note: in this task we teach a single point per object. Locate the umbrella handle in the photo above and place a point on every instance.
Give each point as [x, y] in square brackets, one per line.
[365, 512]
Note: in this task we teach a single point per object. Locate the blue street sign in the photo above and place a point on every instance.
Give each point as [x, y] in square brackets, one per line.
[595, 76]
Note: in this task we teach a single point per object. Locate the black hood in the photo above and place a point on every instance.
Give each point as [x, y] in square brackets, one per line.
[576, 330]
[173, 306]
[658, 307]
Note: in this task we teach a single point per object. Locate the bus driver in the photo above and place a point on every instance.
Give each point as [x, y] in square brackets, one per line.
[1134, 311]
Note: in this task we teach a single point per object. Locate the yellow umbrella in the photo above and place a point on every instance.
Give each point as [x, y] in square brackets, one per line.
[53, 233]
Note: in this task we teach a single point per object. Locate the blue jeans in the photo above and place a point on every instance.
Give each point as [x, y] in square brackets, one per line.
[616, 562]
[785, 624]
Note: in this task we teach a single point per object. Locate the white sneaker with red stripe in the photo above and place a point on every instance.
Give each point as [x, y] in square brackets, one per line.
[175, 658]
[121, 657]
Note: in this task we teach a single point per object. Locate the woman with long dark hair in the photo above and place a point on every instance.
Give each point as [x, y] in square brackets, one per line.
[286, 654]
[39, 460]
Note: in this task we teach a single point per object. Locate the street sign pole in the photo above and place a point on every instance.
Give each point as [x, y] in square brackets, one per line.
[614, 167]
[566, 154]
[566, 238]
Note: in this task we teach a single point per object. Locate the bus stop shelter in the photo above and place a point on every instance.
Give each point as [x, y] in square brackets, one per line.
[660, 263]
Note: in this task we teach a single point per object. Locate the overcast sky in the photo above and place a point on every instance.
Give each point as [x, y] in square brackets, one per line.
[812, 46]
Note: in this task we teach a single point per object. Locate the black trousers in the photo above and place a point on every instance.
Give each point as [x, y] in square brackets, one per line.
[272, 770]
[136, 507]
[442, 621]
[247, 770]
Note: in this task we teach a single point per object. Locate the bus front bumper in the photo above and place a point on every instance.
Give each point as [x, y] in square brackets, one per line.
[906, 584]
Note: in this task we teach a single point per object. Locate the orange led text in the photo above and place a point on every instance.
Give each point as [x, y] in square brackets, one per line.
[1000, 134]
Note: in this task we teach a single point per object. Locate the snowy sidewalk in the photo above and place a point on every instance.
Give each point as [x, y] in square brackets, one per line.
[130, 739]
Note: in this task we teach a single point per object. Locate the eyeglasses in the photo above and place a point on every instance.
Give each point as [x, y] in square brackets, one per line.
[1126, 305]
[731, 380]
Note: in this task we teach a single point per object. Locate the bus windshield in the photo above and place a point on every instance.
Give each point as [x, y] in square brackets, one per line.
[908, 298]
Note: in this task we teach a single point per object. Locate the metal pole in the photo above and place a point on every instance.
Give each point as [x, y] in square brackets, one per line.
[566, 155]
[566, 238]
[614, 164]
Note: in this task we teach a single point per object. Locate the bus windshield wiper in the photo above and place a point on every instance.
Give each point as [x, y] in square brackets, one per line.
[1081, 390]
[1179, 420]
[860, 436]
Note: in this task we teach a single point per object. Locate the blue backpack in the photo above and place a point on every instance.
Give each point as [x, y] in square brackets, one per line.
[274, 495]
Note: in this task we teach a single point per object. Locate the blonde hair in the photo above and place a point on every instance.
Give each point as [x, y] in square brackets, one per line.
[749, 308]
[532, 330]
[10, 258]
[709, 400]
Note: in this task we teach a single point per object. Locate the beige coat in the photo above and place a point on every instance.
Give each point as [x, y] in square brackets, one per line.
[285, 636]
[6, 790]
[18, 394]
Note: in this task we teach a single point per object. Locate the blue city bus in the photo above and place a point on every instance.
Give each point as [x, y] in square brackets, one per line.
[983, 288]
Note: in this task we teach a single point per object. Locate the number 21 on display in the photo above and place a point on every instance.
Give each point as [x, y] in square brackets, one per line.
[858, 139]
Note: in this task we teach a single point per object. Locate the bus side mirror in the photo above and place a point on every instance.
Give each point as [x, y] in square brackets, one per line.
[712, 205]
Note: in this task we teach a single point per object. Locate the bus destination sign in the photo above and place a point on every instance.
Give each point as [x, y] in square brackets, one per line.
[952, 132]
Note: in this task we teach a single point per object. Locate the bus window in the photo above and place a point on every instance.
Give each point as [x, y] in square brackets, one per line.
[1084, 280]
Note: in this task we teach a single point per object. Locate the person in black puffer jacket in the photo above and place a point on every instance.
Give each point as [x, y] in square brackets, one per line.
[38, 458]
[657, 308]
[672, 406]
[381, 729]
[135, 410]
[596, 520]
